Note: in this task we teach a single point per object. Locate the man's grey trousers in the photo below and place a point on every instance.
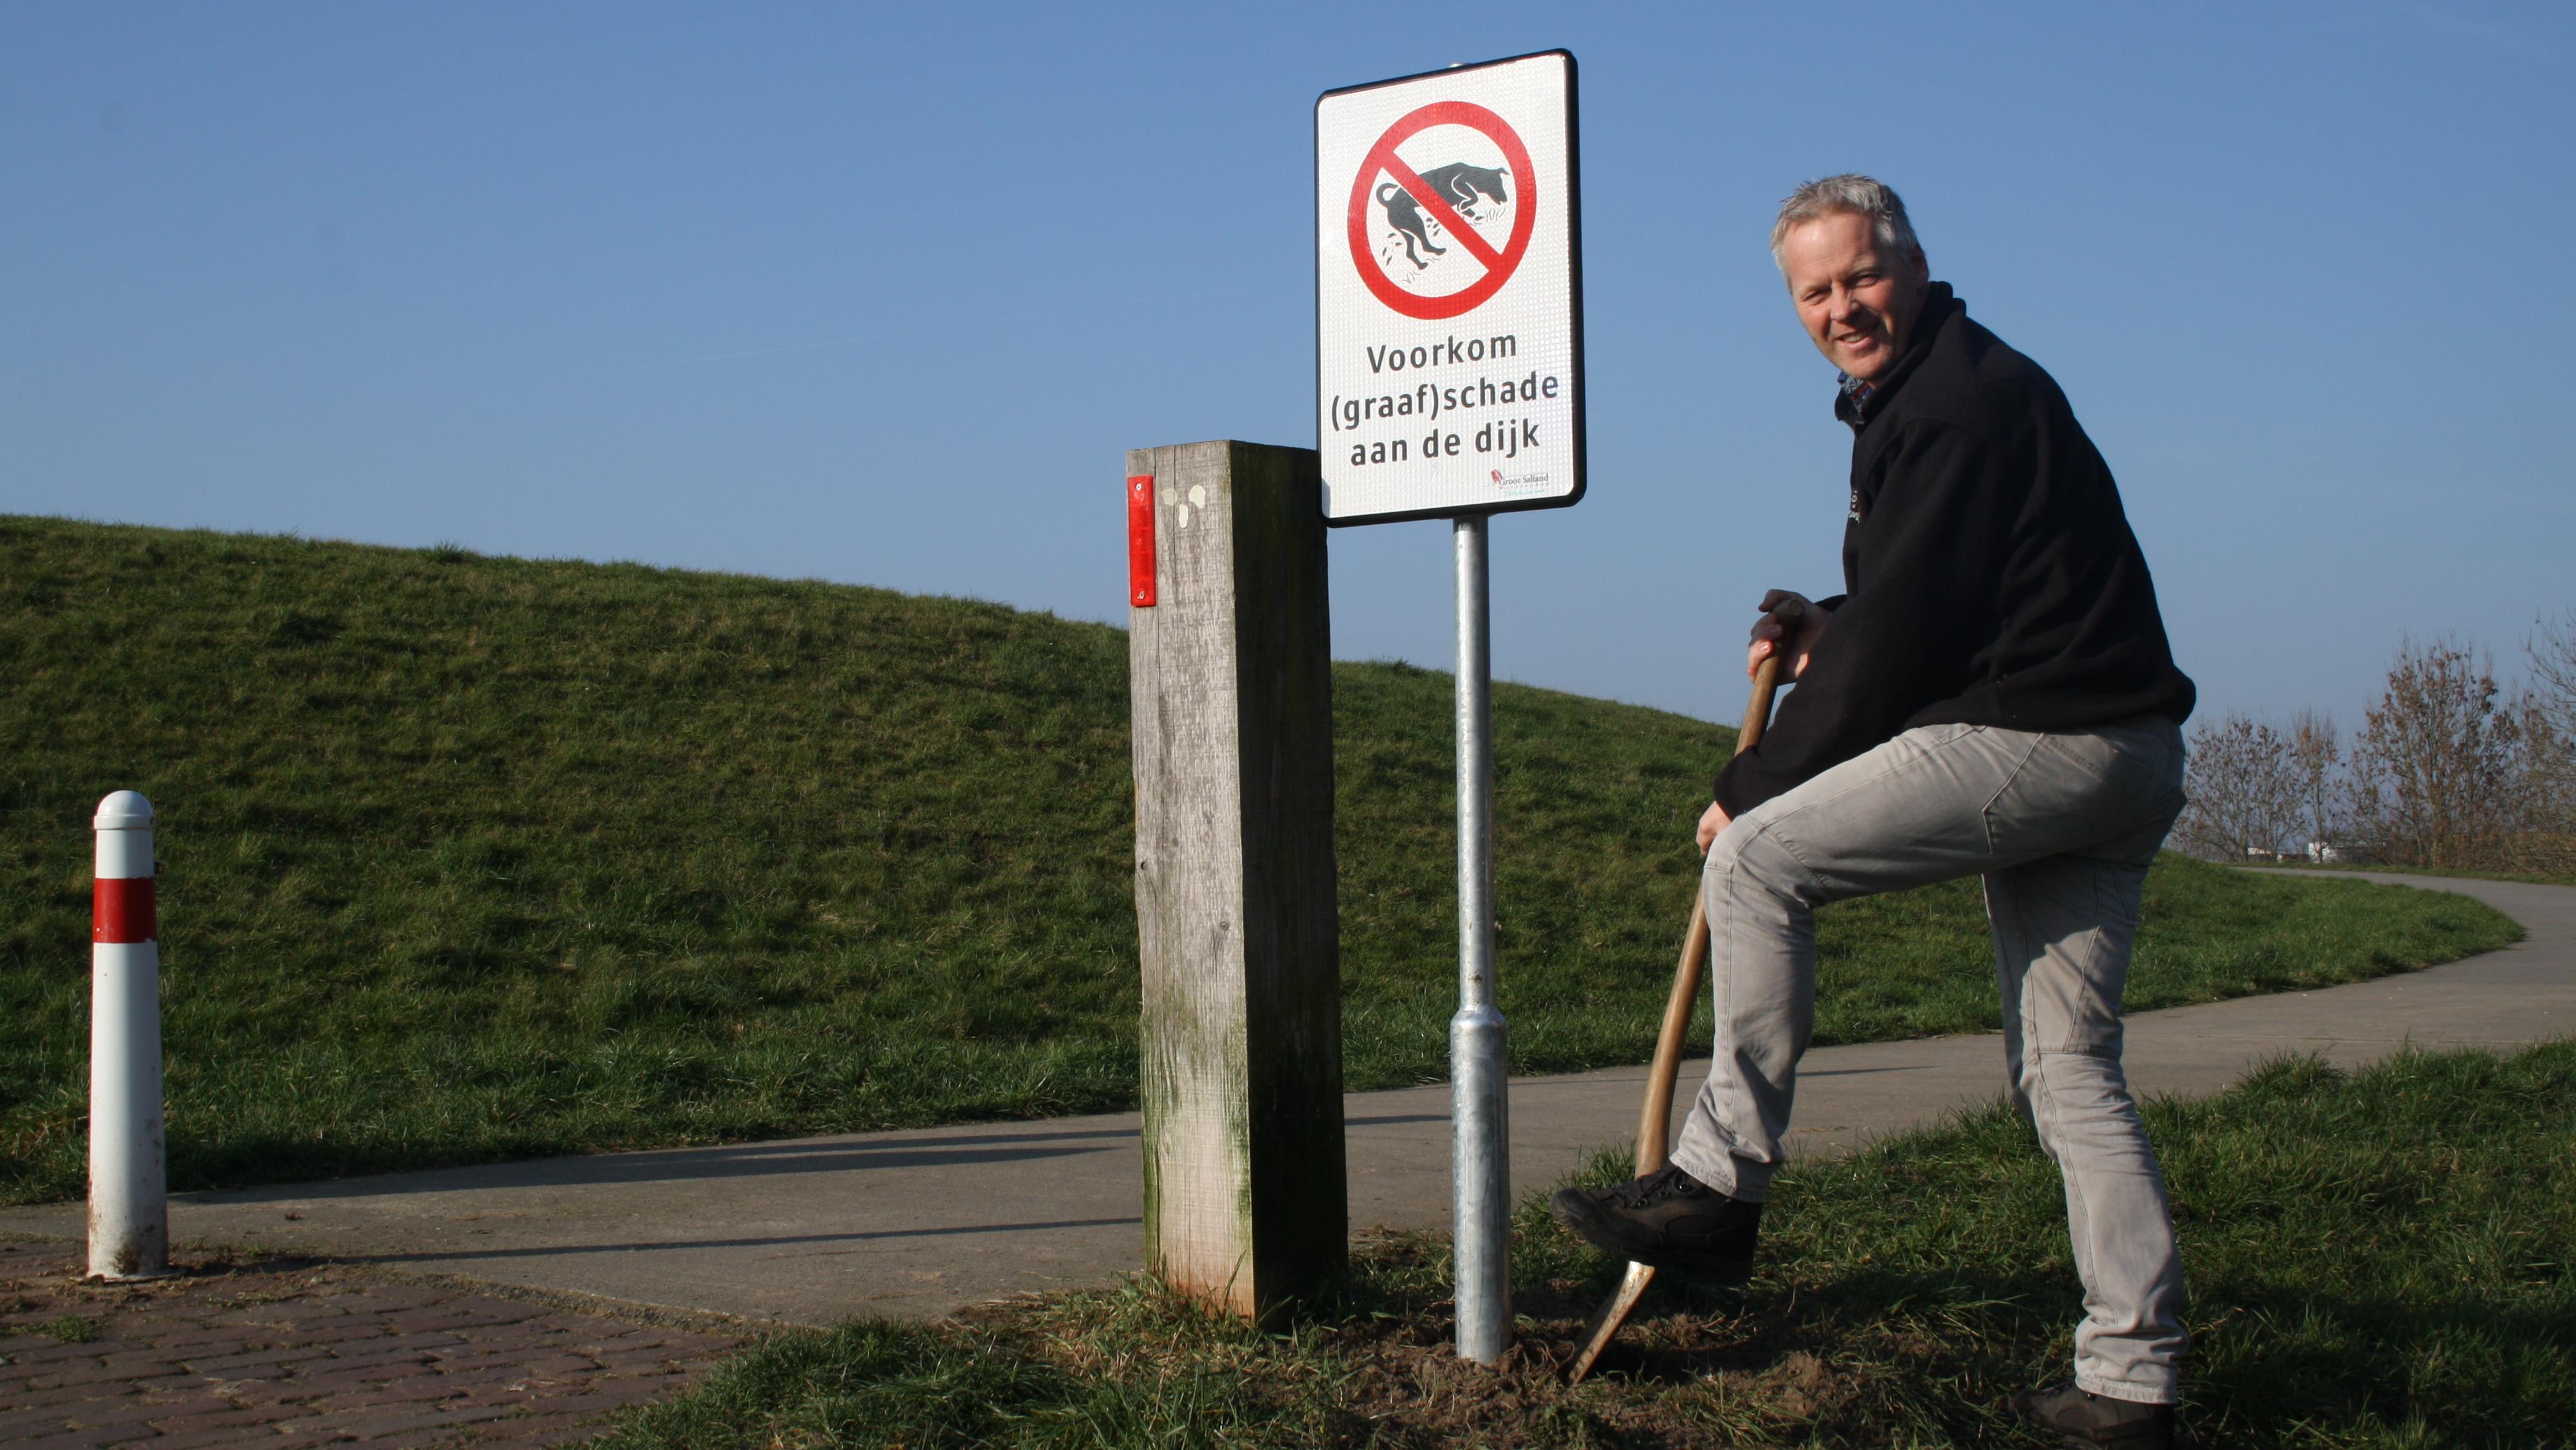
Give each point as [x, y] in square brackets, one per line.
[2061, 826]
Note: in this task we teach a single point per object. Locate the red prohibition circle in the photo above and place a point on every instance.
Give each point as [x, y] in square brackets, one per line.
[1499, 266]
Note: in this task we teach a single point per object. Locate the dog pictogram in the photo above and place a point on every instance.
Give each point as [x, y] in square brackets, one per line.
[1461, 184]
[1437, 218]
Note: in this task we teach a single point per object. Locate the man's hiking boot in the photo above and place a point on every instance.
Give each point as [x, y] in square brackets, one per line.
[2086, 1419]
[1668, 1219]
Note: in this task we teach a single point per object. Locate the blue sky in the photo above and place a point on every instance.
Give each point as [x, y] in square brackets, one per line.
[881, 294]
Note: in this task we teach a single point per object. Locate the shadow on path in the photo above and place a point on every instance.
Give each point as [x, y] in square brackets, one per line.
[773, 1242]
[745, 1160]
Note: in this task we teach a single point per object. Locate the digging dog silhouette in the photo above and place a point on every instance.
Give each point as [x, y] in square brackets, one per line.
[1457, 183]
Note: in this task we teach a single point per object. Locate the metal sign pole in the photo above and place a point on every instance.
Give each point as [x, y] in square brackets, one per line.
[1479, 1122]
[1449, 385]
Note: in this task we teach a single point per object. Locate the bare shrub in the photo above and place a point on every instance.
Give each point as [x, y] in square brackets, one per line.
[2245, 789]
[2440, 773]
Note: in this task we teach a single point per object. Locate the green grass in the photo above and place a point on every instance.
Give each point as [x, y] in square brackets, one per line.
[2383, 1259]
[474, 857]
[2534, 878]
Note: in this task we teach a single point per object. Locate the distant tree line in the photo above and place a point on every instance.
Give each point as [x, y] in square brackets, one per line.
[2448, 769]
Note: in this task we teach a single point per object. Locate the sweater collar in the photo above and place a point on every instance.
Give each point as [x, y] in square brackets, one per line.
[1856, 401]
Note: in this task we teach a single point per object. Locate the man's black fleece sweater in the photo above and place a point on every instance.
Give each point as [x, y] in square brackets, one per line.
[1990, 575]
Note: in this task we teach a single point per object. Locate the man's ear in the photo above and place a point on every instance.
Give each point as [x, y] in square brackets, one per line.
[1922, 271]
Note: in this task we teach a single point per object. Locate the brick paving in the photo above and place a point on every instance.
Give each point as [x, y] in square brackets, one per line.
[298, 1352]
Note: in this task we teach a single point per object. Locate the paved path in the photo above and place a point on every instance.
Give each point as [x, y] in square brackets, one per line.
[919, 1224]
[296, 1353]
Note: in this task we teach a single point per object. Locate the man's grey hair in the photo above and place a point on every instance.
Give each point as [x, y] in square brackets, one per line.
[1849, 192]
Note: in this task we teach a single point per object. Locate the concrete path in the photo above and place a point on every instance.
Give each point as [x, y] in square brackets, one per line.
[919, 1224]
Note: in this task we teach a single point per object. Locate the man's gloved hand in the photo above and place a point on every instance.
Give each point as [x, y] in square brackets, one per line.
[1793, 643]
[1766, 635]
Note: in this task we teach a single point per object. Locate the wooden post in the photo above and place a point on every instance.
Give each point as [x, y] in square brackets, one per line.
[1230, 679]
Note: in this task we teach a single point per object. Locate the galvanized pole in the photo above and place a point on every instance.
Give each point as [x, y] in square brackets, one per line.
[1480, 1154]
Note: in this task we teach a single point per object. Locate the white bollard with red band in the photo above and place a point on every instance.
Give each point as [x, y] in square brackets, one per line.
[129, 1204]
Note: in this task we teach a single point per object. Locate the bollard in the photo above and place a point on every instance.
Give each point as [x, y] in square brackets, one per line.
[129, 1206]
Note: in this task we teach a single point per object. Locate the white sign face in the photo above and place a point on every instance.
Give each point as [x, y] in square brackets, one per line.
[1448, 293]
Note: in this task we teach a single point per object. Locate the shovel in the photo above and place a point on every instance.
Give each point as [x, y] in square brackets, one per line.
[1655, 1123]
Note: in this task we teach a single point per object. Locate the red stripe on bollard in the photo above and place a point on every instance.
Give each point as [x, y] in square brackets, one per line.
[123, 911]
[1140, 540]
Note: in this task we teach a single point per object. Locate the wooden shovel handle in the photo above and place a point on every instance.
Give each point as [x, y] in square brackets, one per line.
[1654, 1122]
[1766, 678]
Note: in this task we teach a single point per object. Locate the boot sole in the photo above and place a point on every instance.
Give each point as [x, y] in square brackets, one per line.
[2165, 1436]
[1582, 1218]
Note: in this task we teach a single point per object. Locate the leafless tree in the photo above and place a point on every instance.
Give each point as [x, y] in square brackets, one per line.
[2440, 773]
[2553, 669]
[2244, 785]
[2316, 749]
[2549, 739]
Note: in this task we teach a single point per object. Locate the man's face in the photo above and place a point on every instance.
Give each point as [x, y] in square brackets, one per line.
[1858, 303]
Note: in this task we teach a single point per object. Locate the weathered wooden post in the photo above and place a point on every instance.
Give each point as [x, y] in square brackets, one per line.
[1229, 652]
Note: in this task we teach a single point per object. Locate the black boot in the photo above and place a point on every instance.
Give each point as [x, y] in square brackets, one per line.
[2085, 1419]
[1668, 1219]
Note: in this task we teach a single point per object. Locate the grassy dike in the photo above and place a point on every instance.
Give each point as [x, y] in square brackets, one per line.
[2365, 1271]
[477, 857]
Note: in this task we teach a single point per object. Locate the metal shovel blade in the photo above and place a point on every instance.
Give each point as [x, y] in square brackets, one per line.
[1614, 1313]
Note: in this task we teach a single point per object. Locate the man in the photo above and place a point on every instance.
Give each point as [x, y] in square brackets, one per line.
[1992, 695]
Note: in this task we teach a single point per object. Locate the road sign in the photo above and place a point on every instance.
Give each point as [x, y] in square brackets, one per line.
[1448, 293]
[1449, 382]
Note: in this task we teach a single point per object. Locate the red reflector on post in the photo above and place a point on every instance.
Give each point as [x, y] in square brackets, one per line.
[1140, 540]
[123, 911]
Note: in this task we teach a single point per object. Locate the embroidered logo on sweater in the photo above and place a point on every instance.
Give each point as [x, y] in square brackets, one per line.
[1855, 506]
